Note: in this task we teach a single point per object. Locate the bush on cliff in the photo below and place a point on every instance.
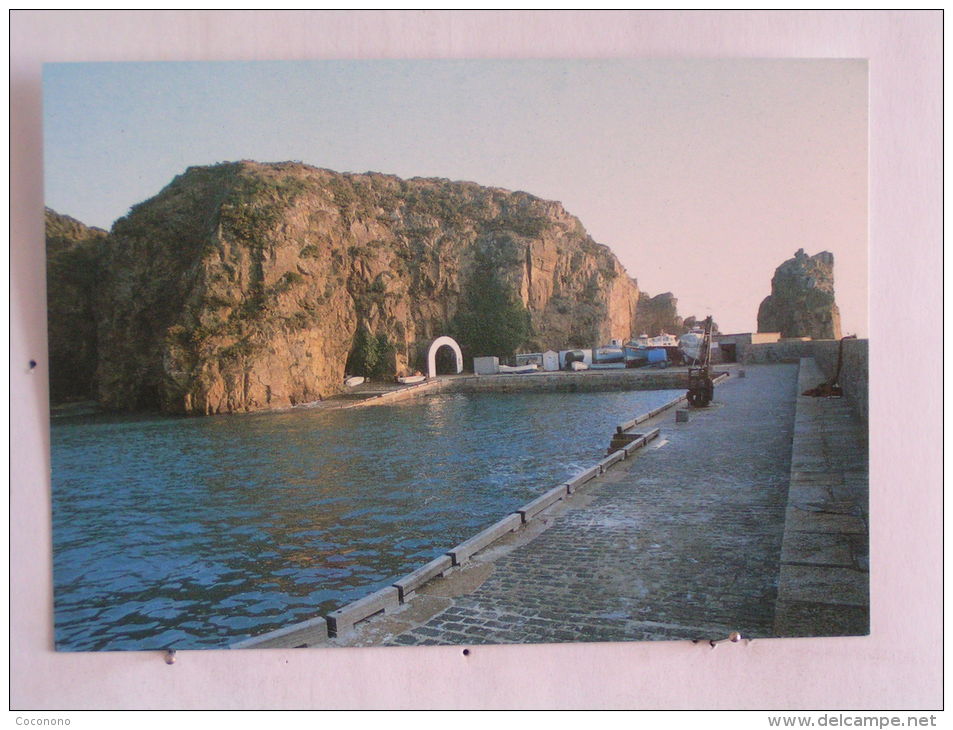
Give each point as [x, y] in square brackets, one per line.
[492, 321]
[371, 356]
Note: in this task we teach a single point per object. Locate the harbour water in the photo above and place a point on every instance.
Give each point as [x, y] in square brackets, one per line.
[198, 532]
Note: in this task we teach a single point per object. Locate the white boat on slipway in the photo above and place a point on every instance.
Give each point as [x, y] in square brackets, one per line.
[691, 344]
[519, 369]
[411, 379]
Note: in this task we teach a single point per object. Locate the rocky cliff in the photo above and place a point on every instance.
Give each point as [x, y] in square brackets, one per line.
[658, 314]
[247, 286]
[72, 256]
[801, 303]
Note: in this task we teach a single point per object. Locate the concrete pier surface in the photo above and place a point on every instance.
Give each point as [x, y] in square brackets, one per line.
[749, 516]
[683, 542]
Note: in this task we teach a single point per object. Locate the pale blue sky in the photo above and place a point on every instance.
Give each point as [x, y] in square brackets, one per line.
[702, 176]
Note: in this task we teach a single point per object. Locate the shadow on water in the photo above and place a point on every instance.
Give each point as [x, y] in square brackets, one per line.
[193, 532]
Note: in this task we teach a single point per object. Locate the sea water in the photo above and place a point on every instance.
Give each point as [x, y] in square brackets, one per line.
[198, 532]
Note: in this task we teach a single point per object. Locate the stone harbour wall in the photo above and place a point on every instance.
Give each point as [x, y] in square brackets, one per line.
[586, 381]
[824, 581]
[853, 375]
[772, 352]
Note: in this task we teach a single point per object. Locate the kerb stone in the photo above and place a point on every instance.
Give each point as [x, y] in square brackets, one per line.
[625, 426]
[303, 634]
[462, 552]
[612, 459]
[577, 481]
[412, 581]
[343, 619]
[634, 446]
[529, 510]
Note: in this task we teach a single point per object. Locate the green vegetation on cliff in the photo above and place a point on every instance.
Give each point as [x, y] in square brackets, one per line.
[492, 320]
[372, 355]
[73, 269]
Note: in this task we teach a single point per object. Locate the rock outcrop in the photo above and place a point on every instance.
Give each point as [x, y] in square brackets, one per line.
[246, 286]
[72, 268]
[691, 322]
[658, 314]
[801, 303]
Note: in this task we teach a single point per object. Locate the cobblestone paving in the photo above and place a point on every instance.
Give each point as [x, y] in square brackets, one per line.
[682, 542]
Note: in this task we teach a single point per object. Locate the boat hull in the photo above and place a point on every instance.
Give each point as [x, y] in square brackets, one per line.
[411, 379]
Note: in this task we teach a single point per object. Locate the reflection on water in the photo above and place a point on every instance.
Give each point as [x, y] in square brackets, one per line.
[187, 533]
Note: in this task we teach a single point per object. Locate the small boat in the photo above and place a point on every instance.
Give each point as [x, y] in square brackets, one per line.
[411, 379]
[663, 339]
[691, 344]
[608, 354]
[354, 380]
[636, 356]
[519, 369]
[657, 357]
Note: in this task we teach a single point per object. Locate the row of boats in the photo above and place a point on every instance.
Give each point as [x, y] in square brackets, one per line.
[644, 351]
[660, 351]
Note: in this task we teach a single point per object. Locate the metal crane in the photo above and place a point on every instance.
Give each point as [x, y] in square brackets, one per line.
[701, 388]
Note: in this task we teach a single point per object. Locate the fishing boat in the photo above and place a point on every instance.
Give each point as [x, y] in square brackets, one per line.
[608, 355]
[636, 356]
[640, 357]
[663, 339]
[691, 344]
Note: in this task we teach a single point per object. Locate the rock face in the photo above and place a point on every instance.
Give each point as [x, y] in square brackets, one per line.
[692, 322]
[245, 286]
[658, 314]
[72, 269]
[801, 303]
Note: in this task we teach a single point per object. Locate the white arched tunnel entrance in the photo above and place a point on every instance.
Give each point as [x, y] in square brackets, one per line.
[432, 355]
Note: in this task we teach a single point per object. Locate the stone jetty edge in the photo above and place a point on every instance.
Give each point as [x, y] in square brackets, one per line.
[824, 578]
[559, 381]
[343, 620]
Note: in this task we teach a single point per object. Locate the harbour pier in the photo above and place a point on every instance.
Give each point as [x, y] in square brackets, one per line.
[373, 394]
[750, 517]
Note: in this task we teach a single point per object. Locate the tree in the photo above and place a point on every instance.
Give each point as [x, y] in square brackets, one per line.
[491, 320]
[371, 355]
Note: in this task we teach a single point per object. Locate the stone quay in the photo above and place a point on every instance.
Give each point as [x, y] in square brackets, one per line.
[749, 517]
